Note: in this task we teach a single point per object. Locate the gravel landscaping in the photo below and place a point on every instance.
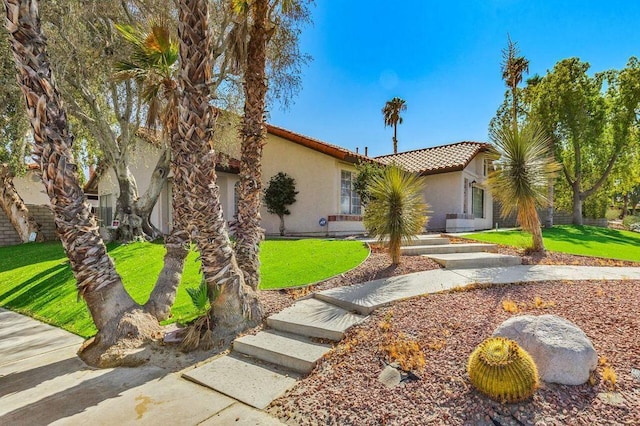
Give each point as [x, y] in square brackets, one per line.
[344, 388]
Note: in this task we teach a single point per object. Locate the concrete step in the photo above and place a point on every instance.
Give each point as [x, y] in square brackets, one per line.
[244, 379]
[420, 240]
[287, 350]
[475, 260]
[446, 248]
[314, 318]
[366, 297]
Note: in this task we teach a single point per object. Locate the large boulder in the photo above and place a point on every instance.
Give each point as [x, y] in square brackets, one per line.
[561, 351]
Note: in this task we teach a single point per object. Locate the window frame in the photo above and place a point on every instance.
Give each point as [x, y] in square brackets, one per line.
[348, 195]
[481, 192]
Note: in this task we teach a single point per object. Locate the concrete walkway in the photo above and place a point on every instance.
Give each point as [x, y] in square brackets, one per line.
[42, 381]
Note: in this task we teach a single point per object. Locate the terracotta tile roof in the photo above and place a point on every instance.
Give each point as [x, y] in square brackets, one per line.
[438, 159]
[326, 148]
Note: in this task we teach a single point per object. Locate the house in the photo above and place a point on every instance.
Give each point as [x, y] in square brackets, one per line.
[325, 204]
[454, 176]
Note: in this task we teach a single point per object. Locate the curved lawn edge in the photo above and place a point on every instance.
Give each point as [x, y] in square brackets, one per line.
[293, 287]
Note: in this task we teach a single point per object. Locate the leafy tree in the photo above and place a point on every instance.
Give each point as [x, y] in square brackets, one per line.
[367, 171]
[396, 210]
[523, 169]
[589, 118]
[279, 194]
[391, 113]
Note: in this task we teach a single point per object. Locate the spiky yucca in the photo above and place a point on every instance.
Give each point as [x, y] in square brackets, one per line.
[502, 370]
[397, 210]
[521, 178]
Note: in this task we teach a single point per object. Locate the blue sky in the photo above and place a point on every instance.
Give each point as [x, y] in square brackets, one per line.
[443, 58]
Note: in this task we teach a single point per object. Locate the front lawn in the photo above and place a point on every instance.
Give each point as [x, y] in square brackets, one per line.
[35, 278]
[581, 240]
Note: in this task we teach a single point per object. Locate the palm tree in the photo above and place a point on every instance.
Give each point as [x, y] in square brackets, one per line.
[522, 173]
[253, 133]
[391, 113]
[513, 68]
[236, 305]
[396, 211]
[114, 312]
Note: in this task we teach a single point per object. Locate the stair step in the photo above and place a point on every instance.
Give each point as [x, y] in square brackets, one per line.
[314, 318]
[475, 260]
[287, 350]
[244, 379]
[420, 240]
[446, 248]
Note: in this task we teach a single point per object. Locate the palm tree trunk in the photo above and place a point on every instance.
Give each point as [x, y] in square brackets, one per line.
[15, 209]
[114, 312]
[395, 138]
[237, 306]
[253, 132]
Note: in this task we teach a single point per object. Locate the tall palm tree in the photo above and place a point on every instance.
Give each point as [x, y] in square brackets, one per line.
[253, 133]
[114, 312]
[391, 113]
[236, 305]
[397, 211]
[513, 68]
[522, 173]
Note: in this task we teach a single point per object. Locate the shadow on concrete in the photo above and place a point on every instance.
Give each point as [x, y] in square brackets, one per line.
[76, 399]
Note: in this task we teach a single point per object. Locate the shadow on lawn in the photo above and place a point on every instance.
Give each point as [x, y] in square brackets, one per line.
[584, 235]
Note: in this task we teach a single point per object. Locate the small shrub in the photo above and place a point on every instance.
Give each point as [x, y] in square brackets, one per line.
[538, 303]
[609, 376]
[630, 221]
[406, 352]
[510, 306]
[613, 213]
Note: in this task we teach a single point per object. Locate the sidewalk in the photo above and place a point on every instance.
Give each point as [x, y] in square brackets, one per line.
[42, 381]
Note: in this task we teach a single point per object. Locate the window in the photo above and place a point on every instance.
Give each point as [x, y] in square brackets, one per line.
[486, 166]
[105, 210]
[477, 202]
[349, 199]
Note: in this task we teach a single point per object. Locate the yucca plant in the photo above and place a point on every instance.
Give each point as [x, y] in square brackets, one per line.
[521, 177]
[397, 210]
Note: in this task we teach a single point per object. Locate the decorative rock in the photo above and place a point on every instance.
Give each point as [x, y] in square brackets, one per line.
[390, 377]
[612, 398]
[635, 373]
[561, 351]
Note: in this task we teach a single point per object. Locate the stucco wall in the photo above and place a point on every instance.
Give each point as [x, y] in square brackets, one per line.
[31, 189]
[445, 194]
[317, 178]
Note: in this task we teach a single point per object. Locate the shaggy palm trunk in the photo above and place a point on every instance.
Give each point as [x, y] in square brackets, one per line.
[395, 138]
[237, 306]
[115, 314]
[249, 233]
[15, 209]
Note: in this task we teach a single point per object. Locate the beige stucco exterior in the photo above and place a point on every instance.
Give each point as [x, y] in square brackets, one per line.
[445, 193]
[31, 189]
[317, 177]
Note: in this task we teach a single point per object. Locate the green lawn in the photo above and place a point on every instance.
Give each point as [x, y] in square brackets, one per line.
[582, 240]
[35, 278]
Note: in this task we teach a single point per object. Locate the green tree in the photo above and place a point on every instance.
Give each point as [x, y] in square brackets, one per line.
[279, 195]
[523, 169]
[397, 211]
[367, 171]
[589, 119]
[391, 113]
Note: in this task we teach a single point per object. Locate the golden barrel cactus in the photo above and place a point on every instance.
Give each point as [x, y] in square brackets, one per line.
[502, 370]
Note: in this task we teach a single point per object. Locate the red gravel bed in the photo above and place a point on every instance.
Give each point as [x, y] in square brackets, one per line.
[344, 389]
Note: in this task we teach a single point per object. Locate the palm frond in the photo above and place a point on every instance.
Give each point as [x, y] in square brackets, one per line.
[199, 296]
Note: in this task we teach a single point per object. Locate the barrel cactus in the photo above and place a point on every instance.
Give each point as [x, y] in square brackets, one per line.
[502, 370]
